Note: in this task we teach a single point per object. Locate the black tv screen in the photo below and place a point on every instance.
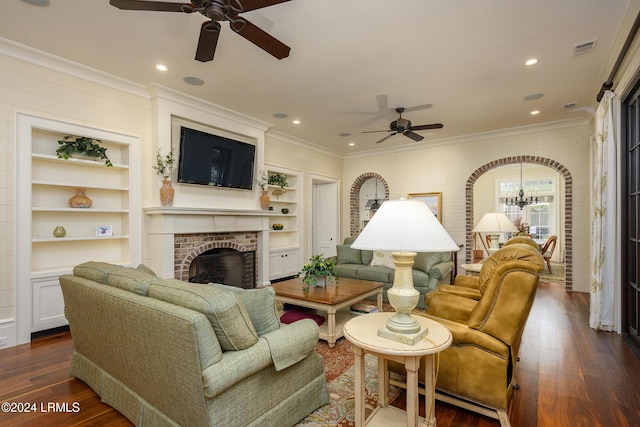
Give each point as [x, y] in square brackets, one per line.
[214, 160]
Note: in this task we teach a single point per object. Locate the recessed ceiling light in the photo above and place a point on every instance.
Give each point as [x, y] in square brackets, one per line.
[280, 115]
[534, 112]
[193, 81]
[344, 134]
[533, 96]
[161, 67]
[351, 144]
[531, 61]
[37, 2]
[296, 122]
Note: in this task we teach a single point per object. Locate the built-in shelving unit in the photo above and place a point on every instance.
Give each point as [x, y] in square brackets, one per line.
[46, 184]
[284, 245]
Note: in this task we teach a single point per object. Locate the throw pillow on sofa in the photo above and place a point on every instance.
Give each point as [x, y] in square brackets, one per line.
[382, 259]
[227, 315]
[348, 255]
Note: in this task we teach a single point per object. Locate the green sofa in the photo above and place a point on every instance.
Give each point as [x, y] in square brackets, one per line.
[429, 269]
[169, 353]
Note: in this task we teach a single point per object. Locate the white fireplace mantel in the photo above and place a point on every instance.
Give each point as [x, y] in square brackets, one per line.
[163, 223]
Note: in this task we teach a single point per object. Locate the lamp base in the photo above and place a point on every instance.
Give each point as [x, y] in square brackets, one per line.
[410, 339]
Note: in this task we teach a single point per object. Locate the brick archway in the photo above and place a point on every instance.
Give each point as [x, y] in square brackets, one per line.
[354, 199]
[568, 204]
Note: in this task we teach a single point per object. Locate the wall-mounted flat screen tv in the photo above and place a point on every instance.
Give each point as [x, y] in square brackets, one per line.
[214, 160]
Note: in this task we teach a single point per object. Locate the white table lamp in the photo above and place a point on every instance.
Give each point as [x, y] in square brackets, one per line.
[494, 224]
[404, 227]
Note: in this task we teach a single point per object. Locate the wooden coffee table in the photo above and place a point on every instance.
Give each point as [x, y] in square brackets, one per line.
[332, 299]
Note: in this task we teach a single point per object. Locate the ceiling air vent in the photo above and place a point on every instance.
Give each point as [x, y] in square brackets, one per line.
[569, 105]
[584, 47]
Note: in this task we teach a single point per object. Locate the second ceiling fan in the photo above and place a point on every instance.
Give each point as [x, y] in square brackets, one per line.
[217, 10]
[404, 127]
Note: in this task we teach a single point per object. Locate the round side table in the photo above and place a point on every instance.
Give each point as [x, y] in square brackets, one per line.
[362, 333]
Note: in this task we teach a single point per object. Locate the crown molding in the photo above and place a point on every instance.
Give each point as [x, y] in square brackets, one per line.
[302, 143]
[46, 60]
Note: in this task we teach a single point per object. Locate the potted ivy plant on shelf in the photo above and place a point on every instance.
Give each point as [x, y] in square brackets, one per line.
[164, 166]
[317, 271]
[278, 179]
[82, 147]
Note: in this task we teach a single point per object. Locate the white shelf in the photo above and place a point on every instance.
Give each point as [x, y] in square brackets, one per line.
[285, 244]
[78, 210]
[90, 163]
[78, 185]
[43, 204]
[77, 238]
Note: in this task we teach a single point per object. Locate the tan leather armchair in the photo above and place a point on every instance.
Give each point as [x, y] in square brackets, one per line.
[477, 371]
[474, 286]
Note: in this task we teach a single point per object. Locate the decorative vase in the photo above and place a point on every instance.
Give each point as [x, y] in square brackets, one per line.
[264, 200]
[166, 193]
[321, 281]
[80, 200]
[59, 231]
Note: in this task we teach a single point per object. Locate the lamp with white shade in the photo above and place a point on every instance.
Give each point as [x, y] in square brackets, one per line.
[404, 227]
[494, 224]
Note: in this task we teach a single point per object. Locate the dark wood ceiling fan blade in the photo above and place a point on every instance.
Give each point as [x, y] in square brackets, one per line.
[376, 131]
[248, 5]
[147, 5]
[413, 135]
[209, 32]
[385, 138]
[260, 38]
[427, 127]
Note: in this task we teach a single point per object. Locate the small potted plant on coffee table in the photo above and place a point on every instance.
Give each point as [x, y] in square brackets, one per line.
[317, 271]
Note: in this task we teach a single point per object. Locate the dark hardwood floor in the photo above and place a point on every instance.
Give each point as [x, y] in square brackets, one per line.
[569, 375]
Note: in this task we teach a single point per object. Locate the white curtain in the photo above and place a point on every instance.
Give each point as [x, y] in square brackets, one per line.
[603, 227]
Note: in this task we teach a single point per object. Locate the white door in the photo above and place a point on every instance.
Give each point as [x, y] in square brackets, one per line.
[325, 222]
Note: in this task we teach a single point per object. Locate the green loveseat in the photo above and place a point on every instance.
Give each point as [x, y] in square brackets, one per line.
[169, 353]
[429, 269]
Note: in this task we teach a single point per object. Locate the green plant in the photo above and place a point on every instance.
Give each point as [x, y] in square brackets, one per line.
[69, 145]
[278, 179]
[318, 266]
[164, 165]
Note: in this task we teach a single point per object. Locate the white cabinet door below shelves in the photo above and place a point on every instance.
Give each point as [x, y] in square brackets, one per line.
[48, 304]
[283, 263]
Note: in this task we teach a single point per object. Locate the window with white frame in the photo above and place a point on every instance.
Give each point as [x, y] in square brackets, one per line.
[540, 216]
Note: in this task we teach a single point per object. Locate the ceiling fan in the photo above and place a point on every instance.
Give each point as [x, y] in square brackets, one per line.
[217, 10]
[404, 127]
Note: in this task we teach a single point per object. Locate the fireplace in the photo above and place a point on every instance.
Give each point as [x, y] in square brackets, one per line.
[178, 235]
[226, 266]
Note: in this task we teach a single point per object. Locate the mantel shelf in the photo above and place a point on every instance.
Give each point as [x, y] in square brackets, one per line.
[204, 211]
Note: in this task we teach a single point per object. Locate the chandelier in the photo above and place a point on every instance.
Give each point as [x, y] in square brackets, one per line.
[520, 200]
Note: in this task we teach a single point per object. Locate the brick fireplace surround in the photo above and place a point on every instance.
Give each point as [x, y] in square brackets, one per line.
[178, 235]
[186, 247]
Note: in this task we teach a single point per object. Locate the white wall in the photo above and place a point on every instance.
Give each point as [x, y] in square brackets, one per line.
[446, 166]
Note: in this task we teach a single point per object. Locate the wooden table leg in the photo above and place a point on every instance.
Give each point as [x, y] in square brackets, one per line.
[412, 365]
[383, 382]
[379, 300]
[331, 326]
[358, 356]
[430, 391]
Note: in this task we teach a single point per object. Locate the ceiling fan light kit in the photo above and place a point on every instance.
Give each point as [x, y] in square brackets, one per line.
[215, 11]
[404, 127]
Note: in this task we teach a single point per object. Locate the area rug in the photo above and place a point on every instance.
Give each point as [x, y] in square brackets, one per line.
[558, 273]
[339, 412]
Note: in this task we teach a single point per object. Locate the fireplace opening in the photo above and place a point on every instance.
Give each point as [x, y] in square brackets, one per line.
[226, 266]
